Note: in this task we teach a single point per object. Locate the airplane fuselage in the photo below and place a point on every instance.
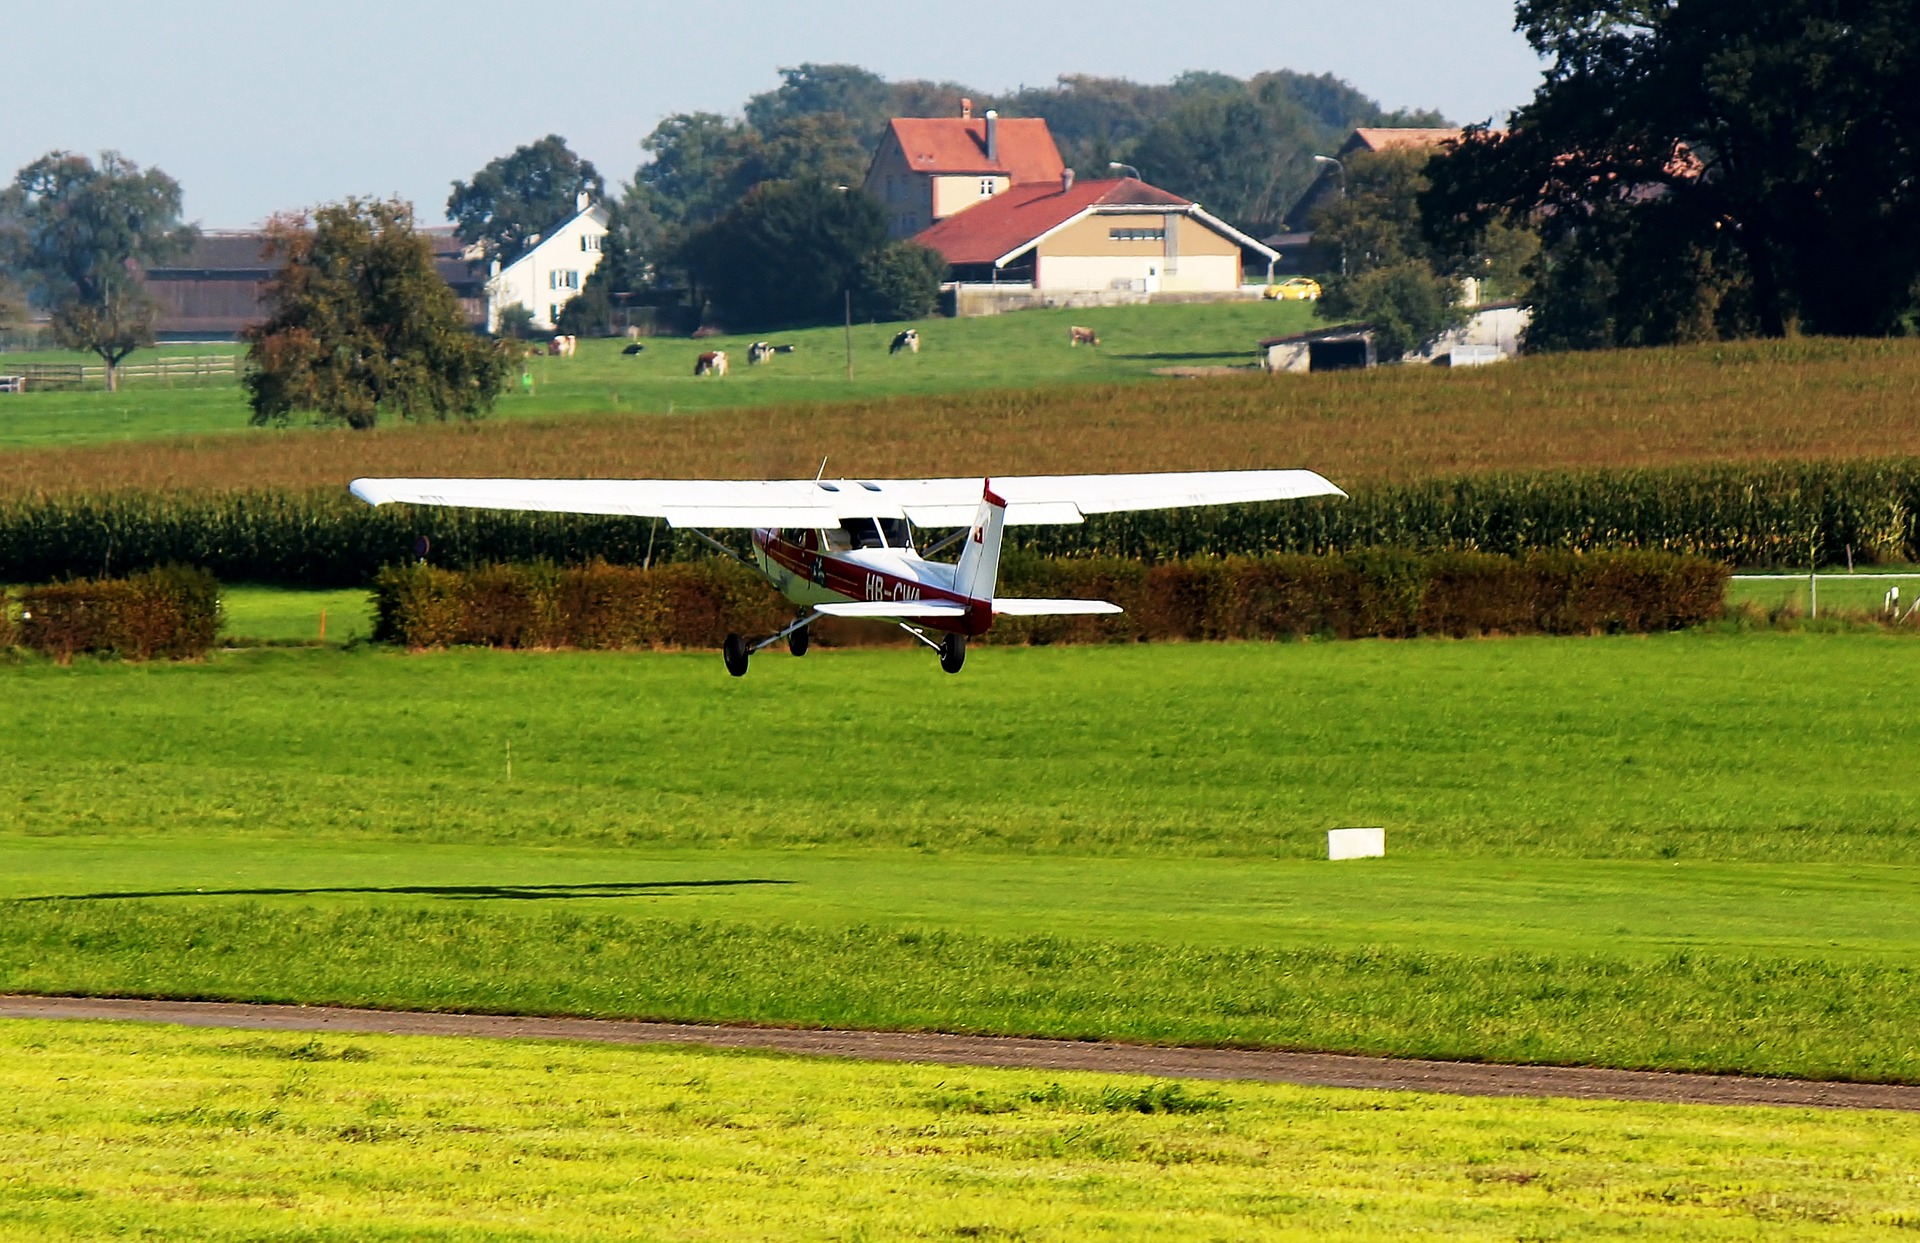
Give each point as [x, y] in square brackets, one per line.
[802, 567]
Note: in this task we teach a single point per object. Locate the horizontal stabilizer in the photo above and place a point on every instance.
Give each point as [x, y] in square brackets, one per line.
[1053, 608]
[893, 608]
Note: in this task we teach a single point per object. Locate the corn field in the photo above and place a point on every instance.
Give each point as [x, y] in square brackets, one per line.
[1778, 515]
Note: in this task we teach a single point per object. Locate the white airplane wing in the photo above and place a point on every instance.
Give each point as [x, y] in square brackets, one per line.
[1031, 499]
[893, 608]
[1005, 607]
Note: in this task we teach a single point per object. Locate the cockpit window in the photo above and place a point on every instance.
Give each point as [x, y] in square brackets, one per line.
[872, 533]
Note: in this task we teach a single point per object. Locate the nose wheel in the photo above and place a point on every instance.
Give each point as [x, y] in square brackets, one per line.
[953, 652]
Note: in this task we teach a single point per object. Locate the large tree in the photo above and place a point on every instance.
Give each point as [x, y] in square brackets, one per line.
[78, 232]
[1709, 167]
[362, 325]
[788, 253]
[1390, 276]
[515, 199]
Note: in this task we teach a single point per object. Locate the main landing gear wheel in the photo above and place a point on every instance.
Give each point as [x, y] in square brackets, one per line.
[797, 641]
[734, 652]
[953, 652]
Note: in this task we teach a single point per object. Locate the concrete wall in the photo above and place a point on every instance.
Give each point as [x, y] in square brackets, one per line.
[968, 301]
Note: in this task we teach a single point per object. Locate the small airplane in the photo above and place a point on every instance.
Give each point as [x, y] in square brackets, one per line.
[846, 547]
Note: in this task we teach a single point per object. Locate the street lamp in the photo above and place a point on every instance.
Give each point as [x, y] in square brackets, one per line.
[1117, 166]
[1325, 161]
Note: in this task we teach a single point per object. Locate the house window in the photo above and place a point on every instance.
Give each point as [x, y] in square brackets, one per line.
[589, 242]
[1137, 235]
[553, 313]
[987, 186]
[568, 279]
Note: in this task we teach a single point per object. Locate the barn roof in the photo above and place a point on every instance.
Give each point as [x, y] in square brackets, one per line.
[1378, 139]
[1015, 218]
[958, 145]
[999, 228]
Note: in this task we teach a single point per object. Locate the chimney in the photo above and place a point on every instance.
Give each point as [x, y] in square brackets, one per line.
[966, 110]
[993, 135]
[1066, 180]
[582, 201]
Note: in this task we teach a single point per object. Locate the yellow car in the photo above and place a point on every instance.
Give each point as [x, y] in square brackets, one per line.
[1294, 289]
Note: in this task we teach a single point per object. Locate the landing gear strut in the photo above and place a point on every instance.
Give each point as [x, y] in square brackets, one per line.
[953, 652]
[734, 652]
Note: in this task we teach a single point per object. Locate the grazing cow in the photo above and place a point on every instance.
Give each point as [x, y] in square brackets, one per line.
[633, 332]
[758, 353]
[562, 346]
[1082, 336]
[635, 348]
[713, 363]
[908, 341]
[783, 349]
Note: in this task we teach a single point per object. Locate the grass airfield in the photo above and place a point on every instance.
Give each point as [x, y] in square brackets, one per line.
[1693, 851]
[230, 1136]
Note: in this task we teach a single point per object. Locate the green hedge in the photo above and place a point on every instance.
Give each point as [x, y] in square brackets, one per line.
[172, 612]
[1375, 594]
[1770, 515]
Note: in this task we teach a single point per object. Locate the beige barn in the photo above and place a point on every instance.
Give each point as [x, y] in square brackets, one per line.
[1120, 236]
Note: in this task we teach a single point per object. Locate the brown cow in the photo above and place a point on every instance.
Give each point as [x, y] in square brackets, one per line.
[713, 363]
[1082, 336]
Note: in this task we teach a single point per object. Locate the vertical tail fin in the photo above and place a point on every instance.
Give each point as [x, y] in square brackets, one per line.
[979, 568]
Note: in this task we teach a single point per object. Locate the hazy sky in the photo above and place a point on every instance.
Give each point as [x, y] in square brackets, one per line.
[262, 106]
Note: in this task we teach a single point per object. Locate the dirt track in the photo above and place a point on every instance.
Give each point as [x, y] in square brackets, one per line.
[1310, 1069]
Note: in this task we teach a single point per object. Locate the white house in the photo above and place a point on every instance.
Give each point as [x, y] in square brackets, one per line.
[549, 275]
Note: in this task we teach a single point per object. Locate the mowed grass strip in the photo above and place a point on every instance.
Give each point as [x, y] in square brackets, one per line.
[1850, 1018]
[1739, 746]
[1750, 402]
[229, 1136]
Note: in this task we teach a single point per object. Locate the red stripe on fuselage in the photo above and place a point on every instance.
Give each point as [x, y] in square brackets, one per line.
[853, 581]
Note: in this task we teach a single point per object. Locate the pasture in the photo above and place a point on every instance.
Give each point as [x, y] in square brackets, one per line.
[1008, 351]
[1690, 851]
[1803, 400]
[225, 1136]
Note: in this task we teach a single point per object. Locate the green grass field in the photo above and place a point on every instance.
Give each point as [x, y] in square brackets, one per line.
[1696, 850]
[1007, 351]
[116, 1130]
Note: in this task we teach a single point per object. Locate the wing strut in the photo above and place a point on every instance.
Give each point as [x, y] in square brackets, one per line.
[720, 548]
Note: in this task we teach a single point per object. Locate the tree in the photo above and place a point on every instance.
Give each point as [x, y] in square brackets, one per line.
[900, 280]
[1391, 277]
[787, 253]
[1244, 157]
[362, 324]
[78, 232]
[518, 197]
[1709, 168]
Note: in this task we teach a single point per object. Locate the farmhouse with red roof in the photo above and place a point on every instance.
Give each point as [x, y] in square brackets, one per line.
[929, 168]
[993, 196]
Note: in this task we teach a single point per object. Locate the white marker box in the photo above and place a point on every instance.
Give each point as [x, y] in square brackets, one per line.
[1356, 843]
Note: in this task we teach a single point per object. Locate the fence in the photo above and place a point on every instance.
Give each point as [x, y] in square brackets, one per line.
[168, 370]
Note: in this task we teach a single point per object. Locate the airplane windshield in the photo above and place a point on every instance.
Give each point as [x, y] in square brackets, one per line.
[872, 533]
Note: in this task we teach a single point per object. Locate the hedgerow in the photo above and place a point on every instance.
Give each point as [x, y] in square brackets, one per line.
[170, 612]
[1388, 594]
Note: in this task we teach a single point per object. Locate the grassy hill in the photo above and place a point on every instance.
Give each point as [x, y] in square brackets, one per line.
[1012, 351]
[1803, 399]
